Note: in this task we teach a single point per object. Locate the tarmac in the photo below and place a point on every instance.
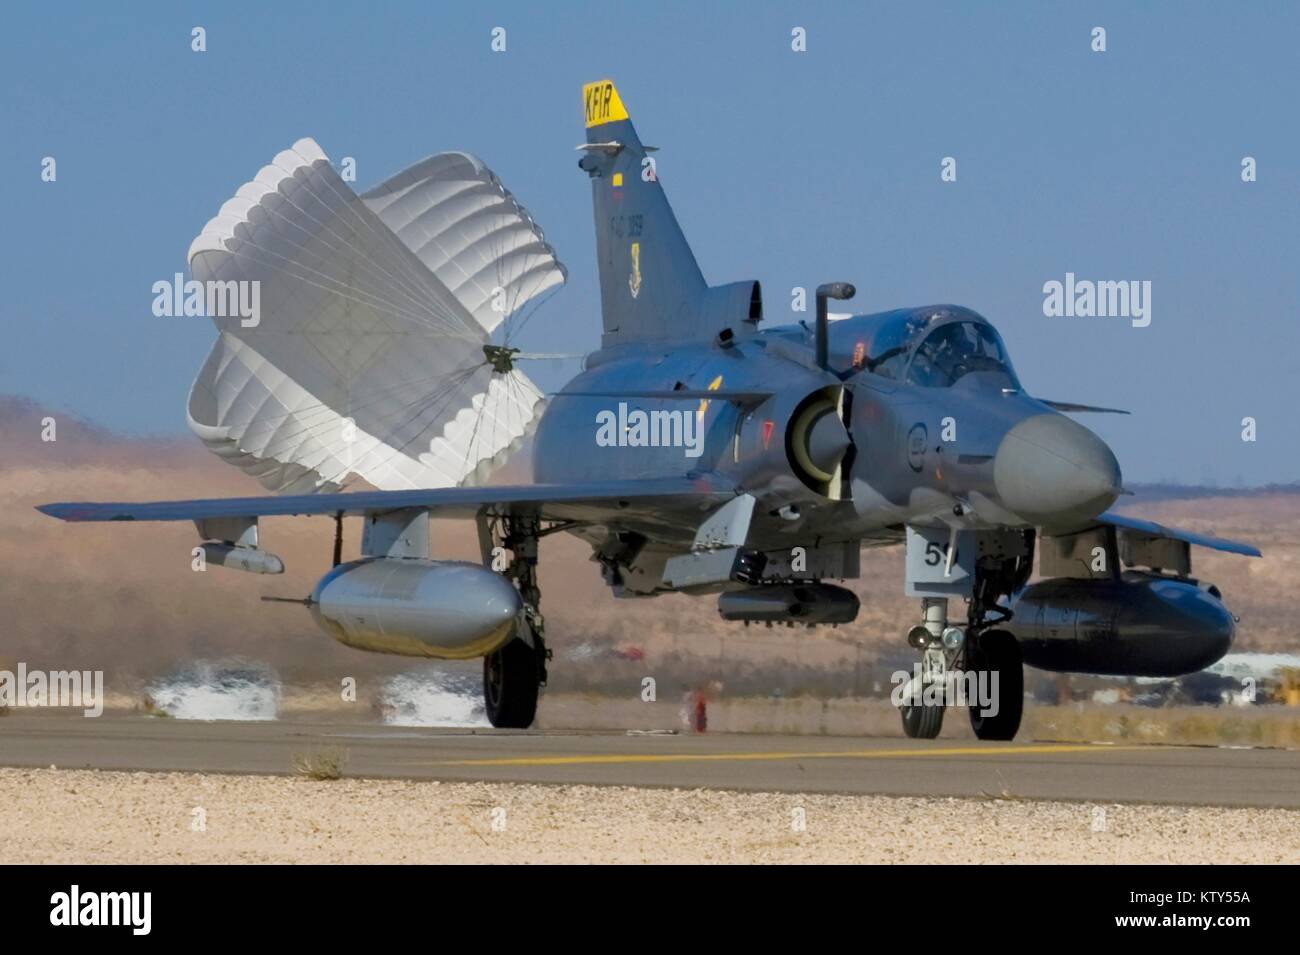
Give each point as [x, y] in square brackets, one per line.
[1169, 775]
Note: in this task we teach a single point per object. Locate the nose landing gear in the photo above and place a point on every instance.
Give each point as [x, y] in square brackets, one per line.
[924, 697]
[980, 666]
[998, 655]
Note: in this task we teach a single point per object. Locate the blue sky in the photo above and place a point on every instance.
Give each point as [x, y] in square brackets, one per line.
[792, 168]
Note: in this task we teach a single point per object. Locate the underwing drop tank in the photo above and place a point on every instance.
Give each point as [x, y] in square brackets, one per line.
[1140, 625]
[448, 610]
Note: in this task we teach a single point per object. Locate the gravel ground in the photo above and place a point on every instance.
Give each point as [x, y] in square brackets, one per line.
[83, 816]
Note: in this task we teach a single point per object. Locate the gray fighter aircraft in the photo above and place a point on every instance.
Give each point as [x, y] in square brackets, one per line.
[697, 452]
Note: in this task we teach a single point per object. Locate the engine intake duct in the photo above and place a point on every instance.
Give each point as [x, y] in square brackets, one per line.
[817, 441]
[790, 603]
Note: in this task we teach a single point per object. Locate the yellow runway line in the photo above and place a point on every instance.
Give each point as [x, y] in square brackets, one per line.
[616, 758]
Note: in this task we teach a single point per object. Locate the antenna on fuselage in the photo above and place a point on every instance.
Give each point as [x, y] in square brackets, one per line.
[836, 290]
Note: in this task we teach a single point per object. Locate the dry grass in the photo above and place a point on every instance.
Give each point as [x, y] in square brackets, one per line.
[321, 764]
[1271, 726]
[148, 706]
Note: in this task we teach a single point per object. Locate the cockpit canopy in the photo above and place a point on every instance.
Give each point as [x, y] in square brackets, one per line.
[929, 347]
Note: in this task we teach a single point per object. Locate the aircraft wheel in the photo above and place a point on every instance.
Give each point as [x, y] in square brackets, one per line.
[510, 685]
[921, 721]
[998, 652]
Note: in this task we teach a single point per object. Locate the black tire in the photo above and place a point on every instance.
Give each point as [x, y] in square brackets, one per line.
[510, 686]
[921, 721]
[999, 652]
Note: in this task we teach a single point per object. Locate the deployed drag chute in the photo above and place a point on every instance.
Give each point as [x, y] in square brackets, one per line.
[371, 355]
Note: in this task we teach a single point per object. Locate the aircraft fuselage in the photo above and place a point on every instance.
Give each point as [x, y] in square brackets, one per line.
[978, 449]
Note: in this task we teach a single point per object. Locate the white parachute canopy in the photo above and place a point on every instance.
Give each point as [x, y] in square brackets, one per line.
[367, 356]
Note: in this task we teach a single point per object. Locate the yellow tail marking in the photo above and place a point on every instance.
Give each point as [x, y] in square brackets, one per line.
[601, 102]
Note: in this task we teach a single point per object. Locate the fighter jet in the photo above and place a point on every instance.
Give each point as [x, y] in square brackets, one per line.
[696, 452]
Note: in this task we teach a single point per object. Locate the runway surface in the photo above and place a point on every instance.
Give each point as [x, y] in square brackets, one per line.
[898, 767]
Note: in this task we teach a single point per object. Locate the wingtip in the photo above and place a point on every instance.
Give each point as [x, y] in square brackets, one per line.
[71, 511]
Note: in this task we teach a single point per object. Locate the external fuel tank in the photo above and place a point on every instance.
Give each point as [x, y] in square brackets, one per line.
[448, 610]
[1139, 625]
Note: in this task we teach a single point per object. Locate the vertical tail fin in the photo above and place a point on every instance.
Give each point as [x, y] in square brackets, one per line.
[651, 287]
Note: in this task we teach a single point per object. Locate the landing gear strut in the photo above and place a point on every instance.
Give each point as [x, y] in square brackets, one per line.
[922, 711]
[513, 674]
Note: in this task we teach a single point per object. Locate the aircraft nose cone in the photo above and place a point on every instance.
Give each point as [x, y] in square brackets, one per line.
[1052, 471]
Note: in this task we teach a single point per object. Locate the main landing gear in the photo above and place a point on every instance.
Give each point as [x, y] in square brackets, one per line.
[514, 674]
[978, 666]
[510, 685]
